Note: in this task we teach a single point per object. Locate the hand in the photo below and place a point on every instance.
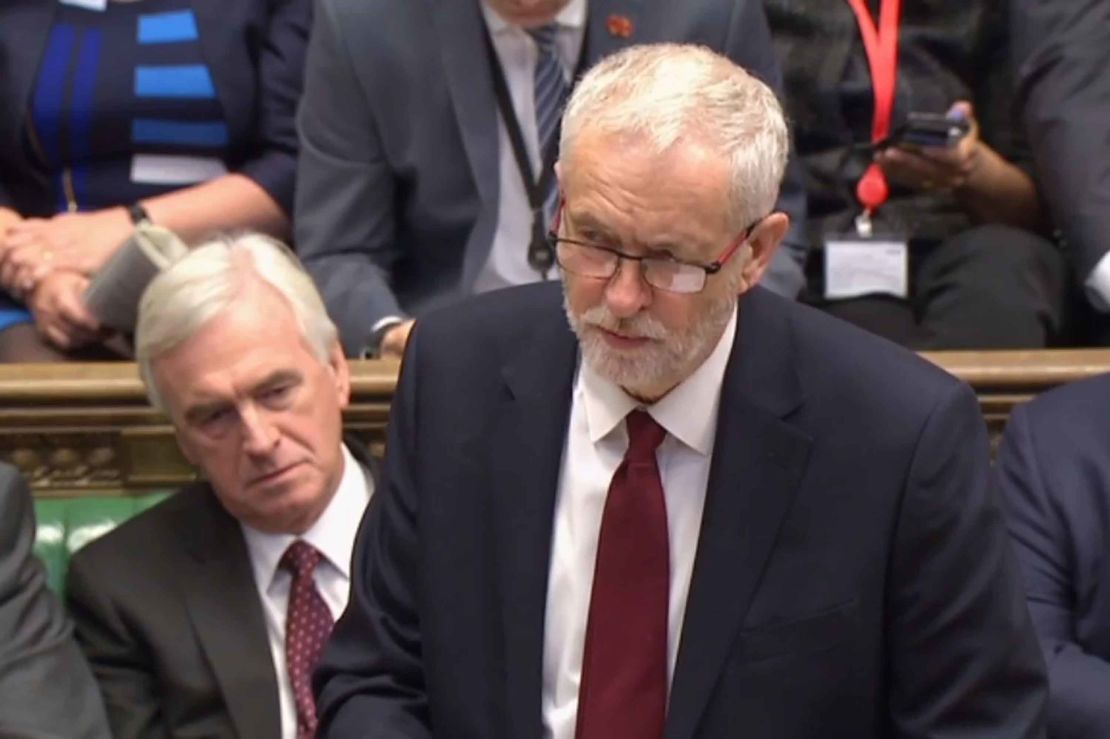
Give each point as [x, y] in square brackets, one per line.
[935, 169]
[61, 317]
[393, 343]
[79, 242]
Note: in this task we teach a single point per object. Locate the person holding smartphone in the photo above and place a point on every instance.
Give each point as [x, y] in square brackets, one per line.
[953, 252]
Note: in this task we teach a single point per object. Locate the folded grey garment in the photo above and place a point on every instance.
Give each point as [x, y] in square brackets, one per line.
[114, 292]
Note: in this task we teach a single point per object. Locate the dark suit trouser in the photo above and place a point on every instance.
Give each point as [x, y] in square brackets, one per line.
[989, 287]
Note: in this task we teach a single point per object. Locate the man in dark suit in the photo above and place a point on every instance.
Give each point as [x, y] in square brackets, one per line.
[204, 615]
[410, 194]
[729, 518]
[1054, 473]
[1061, 53]
[46, 689]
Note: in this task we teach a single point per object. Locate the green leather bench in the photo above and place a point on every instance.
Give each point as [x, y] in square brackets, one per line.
[67, 524]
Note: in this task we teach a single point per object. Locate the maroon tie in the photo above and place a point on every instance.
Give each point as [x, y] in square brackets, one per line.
[624, 664]
[308, 623]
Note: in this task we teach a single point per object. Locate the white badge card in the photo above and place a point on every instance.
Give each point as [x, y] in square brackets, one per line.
[856, 266]
[87, 4]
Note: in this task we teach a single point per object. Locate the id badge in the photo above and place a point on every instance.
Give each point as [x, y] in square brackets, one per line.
[858, 265]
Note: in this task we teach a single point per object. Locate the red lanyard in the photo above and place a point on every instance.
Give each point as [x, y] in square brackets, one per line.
[882, 56]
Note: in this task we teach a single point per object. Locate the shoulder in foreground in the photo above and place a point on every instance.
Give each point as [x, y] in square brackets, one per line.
[1072, 404]
[151, 531]
[504, 316]
[840, 352]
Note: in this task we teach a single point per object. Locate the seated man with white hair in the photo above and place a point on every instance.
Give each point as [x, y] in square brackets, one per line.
[204, 615]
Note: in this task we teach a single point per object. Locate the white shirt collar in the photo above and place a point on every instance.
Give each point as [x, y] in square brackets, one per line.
[688, 412]
[333, 533]
[572, 16]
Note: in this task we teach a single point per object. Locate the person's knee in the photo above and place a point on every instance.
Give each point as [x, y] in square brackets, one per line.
[1003, 252]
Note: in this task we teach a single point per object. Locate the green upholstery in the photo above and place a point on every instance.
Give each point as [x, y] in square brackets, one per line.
[67, 524]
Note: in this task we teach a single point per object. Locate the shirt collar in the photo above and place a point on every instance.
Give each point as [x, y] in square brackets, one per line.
[572, 16]
[688, 412]
[333, 533]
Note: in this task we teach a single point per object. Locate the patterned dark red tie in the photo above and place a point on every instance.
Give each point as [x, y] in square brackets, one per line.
[308, 623]
[623, 694]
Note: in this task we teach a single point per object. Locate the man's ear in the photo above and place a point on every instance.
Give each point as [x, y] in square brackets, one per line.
[341, 372]
[763, 242]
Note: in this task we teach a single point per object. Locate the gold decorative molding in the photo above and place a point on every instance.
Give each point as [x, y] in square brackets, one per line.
[87, 429]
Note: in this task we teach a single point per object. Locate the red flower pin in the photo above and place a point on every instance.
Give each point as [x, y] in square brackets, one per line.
[620, 26]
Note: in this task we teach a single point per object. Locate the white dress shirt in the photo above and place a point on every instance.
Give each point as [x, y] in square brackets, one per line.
[334, 535]
[596, 443]
[1097, 285]
[507, 263]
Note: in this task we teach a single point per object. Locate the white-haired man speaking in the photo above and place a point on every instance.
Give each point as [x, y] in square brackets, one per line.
[204, 615]
[699, 511]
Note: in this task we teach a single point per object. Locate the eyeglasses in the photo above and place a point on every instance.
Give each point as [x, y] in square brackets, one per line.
[594, 261]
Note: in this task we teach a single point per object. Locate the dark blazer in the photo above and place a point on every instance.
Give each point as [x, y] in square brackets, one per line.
[46, 689]
[1061, 54]
[168, 614]
[254, 50]
[1054, 469]
[398, 187]
[853, 575]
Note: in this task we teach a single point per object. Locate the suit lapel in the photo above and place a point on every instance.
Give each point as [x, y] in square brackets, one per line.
[526, 446]
[758, 461]
[460, 33]
[460, 30]
[227, 616]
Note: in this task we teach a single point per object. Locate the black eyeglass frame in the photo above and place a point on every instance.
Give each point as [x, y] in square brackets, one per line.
[712, 268]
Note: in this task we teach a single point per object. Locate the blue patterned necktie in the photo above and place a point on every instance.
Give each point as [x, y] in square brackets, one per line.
[550, 91]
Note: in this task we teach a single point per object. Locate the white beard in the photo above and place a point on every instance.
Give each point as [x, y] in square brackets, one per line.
[660, 364]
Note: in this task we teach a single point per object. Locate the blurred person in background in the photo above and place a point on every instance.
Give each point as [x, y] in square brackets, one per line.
[953, 252]
[179, 112]
[429, 130]
[1061, 54]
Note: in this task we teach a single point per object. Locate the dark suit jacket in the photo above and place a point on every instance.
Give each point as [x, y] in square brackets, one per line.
[254, 50]
[1054, 469]
[1061, 54]
[46, 689]
[853, 575]
[168, 614]
[397, 184]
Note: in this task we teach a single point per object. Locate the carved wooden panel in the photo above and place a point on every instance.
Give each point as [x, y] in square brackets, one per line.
[88, 429]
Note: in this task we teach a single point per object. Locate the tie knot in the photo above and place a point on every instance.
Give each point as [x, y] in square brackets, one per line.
[544, 36]
[644, 435]
[301, 558]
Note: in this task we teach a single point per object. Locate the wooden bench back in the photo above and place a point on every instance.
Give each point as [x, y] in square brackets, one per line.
[87, 428]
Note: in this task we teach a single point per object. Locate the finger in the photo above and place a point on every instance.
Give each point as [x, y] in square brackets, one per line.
[24, 231]
[71, 307]
[53, 334]
[27, 254]
[30, 279]
[16, 261]
[26, 278]
[910, 170]
[950, 165]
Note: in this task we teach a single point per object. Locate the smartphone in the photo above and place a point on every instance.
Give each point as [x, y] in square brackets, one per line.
[922, 130]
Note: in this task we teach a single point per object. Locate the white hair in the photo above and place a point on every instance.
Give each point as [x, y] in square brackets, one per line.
[668, 92]
[207, 281]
